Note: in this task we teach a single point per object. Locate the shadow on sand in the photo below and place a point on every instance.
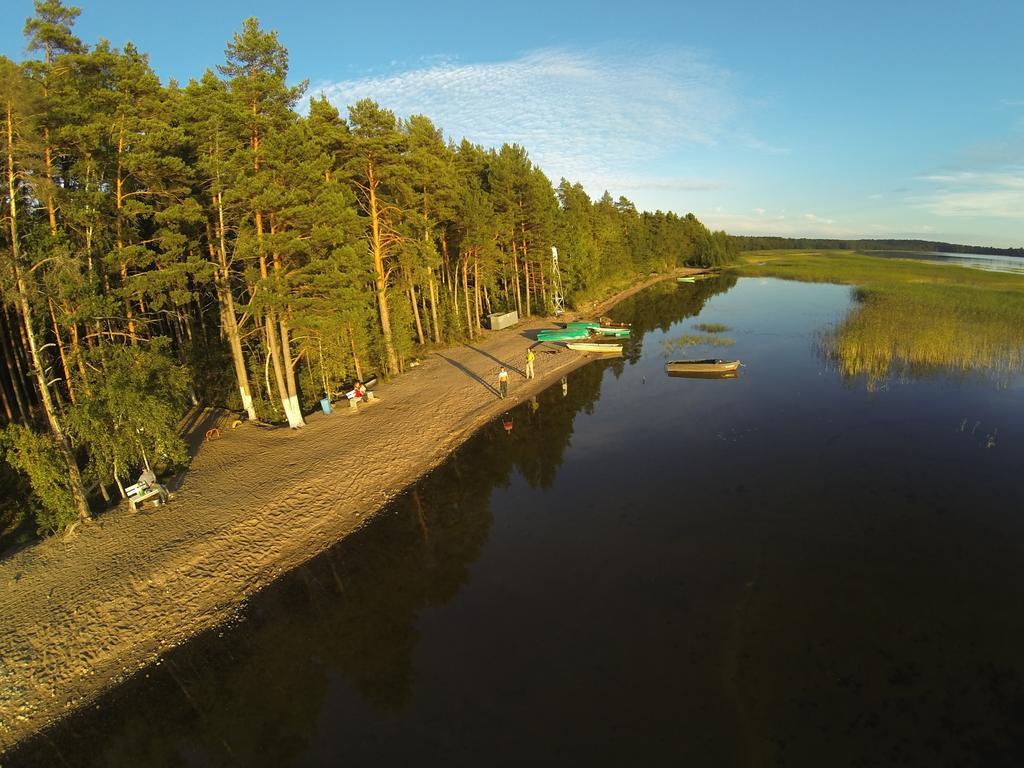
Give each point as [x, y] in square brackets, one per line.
[492, 389]
[488, 355]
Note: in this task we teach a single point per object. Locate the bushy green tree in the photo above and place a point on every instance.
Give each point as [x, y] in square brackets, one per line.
[130, 417]
[38, 456]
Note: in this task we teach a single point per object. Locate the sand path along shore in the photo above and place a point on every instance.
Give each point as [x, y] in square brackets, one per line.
[83, 612]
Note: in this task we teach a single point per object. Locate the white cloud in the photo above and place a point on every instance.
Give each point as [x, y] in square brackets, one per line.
[764, 222]
[609, 119]
[814, 219]
[975, 194]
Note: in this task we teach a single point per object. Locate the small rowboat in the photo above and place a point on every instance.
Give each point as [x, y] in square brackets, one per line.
[686, 279]
[589, 346]
[702, 366]
[605, 330]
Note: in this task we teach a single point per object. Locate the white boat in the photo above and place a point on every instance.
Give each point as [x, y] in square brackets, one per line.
[588, 346]
[702, 366]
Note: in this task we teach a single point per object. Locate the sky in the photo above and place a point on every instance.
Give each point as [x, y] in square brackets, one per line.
[809, 118]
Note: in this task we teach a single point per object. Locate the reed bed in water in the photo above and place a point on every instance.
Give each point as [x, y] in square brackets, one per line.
[671, 346]
[912, 319]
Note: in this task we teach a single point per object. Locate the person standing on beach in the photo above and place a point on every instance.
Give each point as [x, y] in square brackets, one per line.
[503, 382]
[530, 357]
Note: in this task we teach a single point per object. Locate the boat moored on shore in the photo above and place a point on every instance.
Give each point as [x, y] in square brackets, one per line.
[593, 346]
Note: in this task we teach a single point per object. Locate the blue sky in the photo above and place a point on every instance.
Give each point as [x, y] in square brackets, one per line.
[815, 118]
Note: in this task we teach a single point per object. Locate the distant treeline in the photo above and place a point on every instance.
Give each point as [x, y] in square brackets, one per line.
[748, 243]
[168, 245]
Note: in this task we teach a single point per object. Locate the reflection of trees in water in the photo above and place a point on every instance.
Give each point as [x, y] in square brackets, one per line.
[927, 331]
[255, 692]
[664, 304]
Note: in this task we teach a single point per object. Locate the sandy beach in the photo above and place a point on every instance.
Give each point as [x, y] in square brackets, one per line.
[85, 611]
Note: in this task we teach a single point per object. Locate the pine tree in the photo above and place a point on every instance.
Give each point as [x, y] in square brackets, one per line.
[16, 99]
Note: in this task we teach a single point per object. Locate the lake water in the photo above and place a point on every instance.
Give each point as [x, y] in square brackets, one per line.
[790, 568]
[994, 263]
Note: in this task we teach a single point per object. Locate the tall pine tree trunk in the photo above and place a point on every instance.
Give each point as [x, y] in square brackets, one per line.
[476, 290]
[74, 476]
[526, 273]
[355, 354]
[433, 306]
[416, 314]
[13, 369]
[526, 267]
[465, 294]
[119, 236]
[515, 276]
[76, 355]
[295, 420]
[7, 406]
[230, 322]
[274, 352]
[63, 354]
[380, 279]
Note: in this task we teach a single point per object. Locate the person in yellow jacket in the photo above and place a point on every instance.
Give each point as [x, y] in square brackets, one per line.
[530, 357]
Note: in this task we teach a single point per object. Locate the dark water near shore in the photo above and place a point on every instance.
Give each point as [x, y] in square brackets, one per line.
[788, 568]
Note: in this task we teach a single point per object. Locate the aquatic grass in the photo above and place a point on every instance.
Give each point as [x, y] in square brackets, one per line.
[711, 327]
[670, 346]
[912, 319]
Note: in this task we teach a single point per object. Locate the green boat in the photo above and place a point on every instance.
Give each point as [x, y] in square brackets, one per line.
[686, 280]
[582, 324]
[563, 334]
[618, 332]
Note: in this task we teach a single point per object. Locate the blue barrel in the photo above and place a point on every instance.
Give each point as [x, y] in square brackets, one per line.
[325, 403]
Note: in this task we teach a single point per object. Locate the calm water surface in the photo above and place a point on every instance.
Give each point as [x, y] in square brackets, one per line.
[786, 569]
[993, 262]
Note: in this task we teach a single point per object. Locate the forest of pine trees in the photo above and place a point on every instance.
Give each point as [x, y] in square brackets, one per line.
[231, 242]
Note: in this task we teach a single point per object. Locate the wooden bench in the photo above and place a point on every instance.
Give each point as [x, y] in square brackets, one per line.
[139, 494]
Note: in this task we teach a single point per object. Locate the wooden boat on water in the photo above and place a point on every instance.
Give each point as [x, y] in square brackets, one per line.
[711, 366]
[592, 346]
[605, 330]
[726, 375]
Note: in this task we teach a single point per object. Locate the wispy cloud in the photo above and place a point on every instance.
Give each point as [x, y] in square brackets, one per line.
[975, 194]
[606, 119]
[764, 222]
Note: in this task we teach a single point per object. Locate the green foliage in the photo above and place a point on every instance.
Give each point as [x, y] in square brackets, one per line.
[174, 236]
[41, 461]
[129, 416]
[19, 507]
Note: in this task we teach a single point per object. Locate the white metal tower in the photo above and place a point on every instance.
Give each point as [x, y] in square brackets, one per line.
[556, 283]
